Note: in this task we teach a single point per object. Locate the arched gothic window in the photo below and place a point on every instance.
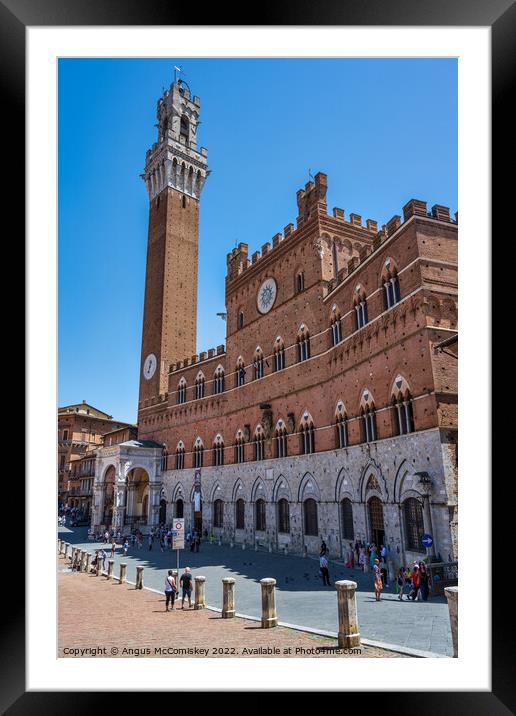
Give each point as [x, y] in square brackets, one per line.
[360, 305]
[180, 456]
[240, 372]
[279, 355]
[218, 381]
[218, 513]
[239, 447]
[260, 521]
[300, 282]
[346, 511]
[281, 440]
[218, 451]
[368, 418]
[240, 514]
[414, 528]
[181, 391]
[310, 514]
[198, 453]
[241, 319]
[199, 386]
[341, 427]
[336, 326]
[307, 435]
[259, 441]
[164, 459]
[303, 344]
[391, 284]
[258, 364]
[283, 516]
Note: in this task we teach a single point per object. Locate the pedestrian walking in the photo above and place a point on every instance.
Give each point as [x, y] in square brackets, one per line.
[197, 541]
[383, 572]
[186, 583]
[106, 537]
[323, 549]
[423, 581]
[103, 557]
[170, 591]
[378, 584]
[126, 547]
[400, 582]
[362, 559]
[415, 582]
[113, 548]
[323, 565]
[150, 540]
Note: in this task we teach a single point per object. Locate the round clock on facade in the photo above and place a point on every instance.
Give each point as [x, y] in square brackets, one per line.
[149, 367]
[266, 295]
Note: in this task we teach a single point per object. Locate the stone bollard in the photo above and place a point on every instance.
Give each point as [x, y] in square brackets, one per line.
[269, 616]
[110, 565]
[270, 546]
[139, 577]
[82, 567]
[349, 634]
[256, 546]
[285, 550]
[243, 545]
[66, 550]
[228, 598]
[305, 551]
[123, 572]
[88, 560]
[59, 546]
[98, 570]
[200, 583]
[220, 542]
[452, 595]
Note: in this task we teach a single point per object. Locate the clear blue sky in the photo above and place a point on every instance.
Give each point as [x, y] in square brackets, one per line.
[383, 130]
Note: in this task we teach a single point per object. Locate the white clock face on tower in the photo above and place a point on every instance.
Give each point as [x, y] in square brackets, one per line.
[266, 295]
[149, 367]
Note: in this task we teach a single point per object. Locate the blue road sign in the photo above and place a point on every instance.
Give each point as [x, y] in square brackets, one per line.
[427, 540]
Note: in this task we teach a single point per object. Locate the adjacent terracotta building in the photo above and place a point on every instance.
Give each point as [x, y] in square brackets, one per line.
[331, 412]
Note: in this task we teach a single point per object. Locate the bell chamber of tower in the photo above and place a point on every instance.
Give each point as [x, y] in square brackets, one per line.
[174, 160]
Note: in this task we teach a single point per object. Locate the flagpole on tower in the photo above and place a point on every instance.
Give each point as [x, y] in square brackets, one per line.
[176, 70]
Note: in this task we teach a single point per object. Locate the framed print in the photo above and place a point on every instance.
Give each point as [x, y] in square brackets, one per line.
[245, 247]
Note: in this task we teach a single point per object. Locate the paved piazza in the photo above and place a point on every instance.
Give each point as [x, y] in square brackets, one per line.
[301, 598]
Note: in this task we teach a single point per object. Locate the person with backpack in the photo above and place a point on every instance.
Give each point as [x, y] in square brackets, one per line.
[186, 583]
[170, 591]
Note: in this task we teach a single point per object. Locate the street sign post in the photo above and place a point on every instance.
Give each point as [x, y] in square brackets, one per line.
[178, 537]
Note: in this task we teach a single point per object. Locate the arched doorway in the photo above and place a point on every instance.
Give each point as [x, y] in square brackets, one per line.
[138, 497]
[376, 525]
[109, 489]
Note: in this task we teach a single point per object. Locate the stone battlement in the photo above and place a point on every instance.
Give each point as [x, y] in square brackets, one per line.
[198, 358]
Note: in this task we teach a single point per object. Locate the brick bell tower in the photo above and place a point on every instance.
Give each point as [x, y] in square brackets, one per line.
[175, 172]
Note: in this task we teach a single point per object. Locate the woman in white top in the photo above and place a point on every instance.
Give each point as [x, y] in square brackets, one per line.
[170, 590]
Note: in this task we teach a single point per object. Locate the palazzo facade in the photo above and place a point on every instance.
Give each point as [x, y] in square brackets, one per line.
[331, 411]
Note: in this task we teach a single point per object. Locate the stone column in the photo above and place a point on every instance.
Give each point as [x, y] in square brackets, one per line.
[139, 577]
[154, 500]
[98, 507]
[117, 521]
[83, 560]
[269, 616]
[200, 583]
[452, 595]
[88, 560]
[59, 546]
[349, 633]
[228, 598]
[98, 570]
[123, 572]
[111, 563]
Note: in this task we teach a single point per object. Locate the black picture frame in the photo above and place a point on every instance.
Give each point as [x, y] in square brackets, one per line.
[500, 16]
